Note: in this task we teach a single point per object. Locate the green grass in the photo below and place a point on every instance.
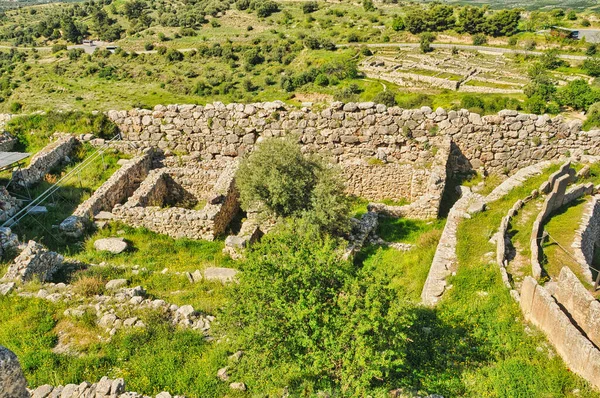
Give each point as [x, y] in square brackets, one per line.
[405, 230]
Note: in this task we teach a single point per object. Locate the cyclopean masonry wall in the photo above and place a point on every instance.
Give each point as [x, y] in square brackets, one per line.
[45, 160]
[504, 142]
[579, 353]
[583, 308]
[166, 187]
[115, 190]
[587, 237]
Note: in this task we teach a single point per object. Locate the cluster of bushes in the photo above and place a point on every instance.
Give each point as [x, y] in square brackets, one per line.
[300, 311]
[488, 105]
[263, 8]
[439, 17]
[329, 73]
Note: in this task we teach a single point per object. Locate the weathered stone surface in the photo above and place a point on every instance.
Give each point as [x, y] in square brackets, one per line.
[35, 261]
[45, 160]
[116, 284]
[12, 381]
[112, 245]
[587, 236]
[220, 274]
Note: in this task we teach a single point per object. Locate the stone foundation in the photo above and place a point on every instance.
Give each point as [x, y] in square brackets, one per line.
[44, 161]
[35, 261]
[164, 187]
[115, 190]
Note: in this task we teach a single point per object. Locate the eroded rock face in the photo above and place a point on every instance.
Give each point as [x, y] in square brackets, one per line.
[34, 261]
[12, 381]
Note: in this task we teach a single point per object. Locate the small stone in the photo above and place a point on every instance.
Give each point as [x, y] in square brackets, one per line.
[222, 374]
[116, 284]
[238, 386]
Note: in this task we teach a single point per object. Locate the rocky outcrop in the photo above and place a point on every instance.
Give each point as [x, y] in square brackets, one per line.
[12, 381]
[35, 261]
[45, 160]
[115, 190]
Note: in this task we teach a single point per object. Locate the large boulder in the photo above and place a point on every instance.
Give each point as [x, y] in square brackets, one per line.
[112, 245]
[12, 381]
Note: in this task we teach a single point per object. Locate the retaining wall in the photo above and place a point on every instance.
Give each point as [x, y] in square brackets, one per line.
[587, 237]
[503, 142]
[539, 307]
[44, 161]
[583, 308]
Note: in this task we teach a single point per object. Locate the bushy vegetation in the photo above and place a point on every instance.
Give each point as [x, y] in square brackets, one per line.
[291, 184]
[314, 319]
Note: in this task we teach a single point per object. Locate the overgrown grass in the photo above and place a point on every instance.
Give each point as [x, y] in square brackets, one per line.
[405, 230]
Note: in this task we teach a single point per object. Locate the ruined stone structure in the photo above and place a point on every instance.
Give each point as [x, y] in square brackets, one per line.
[9, 205]
[45, 160]
[552, 315]
[166, 201]
[587, 237]
[557, 197]
[35, 261]
[119, 187]
[506, 141]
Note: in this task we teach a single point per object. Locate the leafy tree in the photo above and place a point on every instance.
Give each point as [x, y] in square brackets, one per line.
[368, 5]
[300, 306]
[591, 49]
[592, 117]
[591, 66]
[503, 23]
[540, 83]
[578, 94]
[387, 98]
[290, 184]
[471, 20]
[71, 32]
[415, 21]
[479, 39]
[174, 56]
[265, 8]
[134, 9]
[398, 24]
[550, 60]
[440, 17]
[572, 15]
[426, 39]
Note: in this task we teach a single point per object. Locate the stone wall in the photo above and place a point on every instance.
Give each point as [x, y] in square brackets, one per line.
[559, 196]
[7, 142]
[583, 308]
[587, 237]
[35, 261]
[115, 190]
[580, 355]
[44, 161]
[9, 205]
[143, 209]
[504, 142]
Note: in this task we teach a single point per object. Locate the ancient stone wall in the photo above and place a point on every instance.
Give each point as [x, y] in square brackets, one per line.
[539, 307]
[115, 190]
[143, 209]
[500, 143]
[44, 161]
[587, 237]
[35, 261]
[583, 308]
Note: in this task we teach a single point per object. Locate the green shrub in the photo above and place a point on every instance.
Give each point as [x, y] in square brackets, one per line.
[322, 80]
[310, 7]
[426, 39]
[479, 39]
[148, 46]
[15, 107]
[387, 98]
[592, 117]
[303, 313]
[290, 184]
[58, 47]
[398, 24]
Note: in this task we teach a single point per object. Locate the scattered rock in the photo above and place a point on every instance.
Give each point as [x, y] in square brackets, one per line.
[116, 284]
[223, 275]
[238, 386]
[112, 245]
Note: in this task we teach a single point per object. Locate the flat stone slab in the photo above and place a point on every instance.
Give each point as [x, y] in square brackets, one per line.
[38, 210]
[113, 245]
[104, 215]
[116, 284]
[6, 288]
[220, 274]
